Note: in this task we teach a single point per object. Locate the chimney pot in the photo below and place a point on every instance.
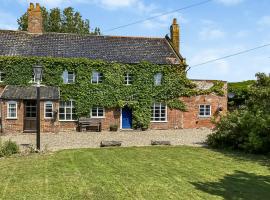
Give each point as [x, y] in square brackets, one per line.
[175, 35]
[35, 21]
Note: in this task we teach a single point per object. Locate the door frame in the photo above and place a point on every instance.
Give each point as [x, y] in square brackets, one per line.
[121, 121]
[24, 117]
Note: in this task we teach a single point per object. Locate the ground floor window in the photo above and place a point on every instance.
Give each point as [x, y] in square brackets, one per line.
[48, 109]
[159, 112]
[67, 111]
[97, 112]
[12, 110]
[205, 110]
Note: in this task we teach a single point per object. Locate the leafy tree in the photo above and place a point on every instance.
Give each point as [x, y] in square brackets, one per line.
[67, 21]
[248, 128]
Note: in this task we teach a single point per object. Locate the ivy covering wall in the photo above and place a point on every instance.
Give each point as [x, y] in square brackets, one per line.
[112, 92]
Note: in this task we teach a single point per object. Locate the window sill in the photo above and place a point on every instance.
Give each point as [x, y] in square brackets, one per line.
[67, 120]
[98, 117]
[11, 118]
[204, 117]
[159, 121]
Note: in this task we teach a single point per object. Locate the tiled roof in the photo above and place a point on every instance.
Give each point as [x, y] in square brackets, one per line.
[13, 92]
[107, 48]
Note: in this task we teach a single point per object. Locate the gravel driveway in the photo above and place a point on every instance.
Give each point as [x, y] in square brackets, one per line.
[53, 142]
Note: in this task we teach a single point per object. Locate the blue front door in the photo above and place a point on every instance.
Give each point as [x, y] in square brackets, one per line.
[126, 118]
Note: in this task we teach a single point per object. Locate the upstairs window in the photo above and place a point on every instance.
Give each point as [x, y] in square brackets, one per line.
[67, 111]
[2, 76]
[68, 77]
[12, 110]
[158, 79]
[205, 110]
[128, 79]
[97, 112]
[48, 110]
[97, 77]
[159, 112]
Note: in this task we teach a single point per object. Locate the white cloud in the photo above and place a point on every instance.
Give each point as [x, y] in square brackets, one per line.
[264, 21]
[230, 2]
[211, 34]
[163, 21]
[210, 30]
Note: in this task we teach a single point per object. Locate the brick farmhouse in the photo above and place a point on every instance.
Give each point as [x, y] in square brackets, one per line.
[18, 105]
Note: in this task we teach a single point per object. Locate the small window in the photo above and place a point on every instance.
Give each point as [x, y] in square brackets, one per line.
[128, 79]
[48, 110]
[12, 110]
[97, 112]
[204, 110]
[96, 77]
[68, 77]
[158, 78]
[67, 111]
[159, 112]
[2, 76]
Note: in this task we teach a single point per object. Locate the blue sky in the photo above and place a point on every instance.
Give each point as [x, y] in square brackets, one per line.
[209, 31]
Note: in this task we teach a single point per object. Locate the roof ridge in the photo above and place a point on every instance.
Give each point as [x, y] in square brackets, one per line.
[81, 34]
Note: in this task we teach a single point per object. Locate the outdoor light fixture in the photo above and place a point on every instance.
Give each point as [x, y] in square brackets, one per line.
[38, 76]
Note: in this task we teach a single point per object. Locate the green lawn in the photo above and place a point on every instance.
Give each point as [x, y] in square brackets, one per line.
[136, 173]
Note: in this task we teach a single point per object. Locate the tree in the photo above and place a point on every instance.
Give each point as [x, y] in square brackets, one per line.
[67, 21]
[247, 128]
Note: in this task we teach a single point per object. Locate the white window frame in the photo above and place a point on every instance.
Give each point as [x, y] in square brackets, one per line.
[98, 77]
[153, 113]
[8, 109]
[158, 79]
[204, 111]
[66, 79]
[97, 107]
[45, 112]
[128, 79]
[72, 106]
[1, 76]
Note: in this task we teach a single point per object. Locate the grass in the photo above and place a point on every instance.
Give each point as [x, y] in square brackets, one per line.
[136, 173]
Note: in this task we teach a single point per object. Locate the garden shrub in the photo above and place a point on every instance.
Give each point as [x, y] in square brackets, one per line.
[8, 148]
[248, 128]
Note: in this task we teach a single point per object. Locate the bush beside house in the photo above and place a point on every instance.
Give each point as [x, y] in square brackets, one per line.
[248, 128]
[8, 148]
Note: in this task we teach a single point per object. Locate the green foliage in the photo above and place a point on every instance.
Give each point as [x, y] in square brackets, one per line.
[240, 91]
[8, 148]
[248, 128]
[67, 21]
[112, 92]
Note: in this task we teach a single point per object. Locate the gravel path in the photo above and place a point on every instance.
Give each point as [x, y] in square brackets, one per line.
[53, 142]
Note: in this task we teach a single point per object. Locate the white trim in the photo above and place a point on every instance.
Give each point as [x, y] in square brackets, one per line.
[72, 106]
[205, 116]
[12, 102]
[97, 117]
[129, 78]
[166, 114]
[98, 77]
[45, 103]
[121, 119]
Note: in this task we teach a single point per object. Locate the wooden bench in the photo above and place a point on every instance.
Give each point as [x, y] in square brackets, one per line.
[89, 124]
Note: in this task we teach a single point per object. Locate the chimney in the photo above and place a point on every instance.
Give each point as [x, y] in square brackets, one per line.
[175, 35]
[35, 21]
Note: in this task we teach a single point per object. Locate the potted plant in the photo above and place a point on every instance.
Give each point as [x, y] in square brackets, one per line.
[144, 127]
[113, 127]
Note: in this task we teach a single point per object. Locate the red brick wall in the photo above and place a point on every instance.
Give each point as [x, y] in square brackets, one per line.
[175, 118]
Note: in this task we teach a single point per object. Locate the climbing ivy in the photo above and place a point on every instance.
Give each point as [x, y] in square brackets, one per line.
[112, 92]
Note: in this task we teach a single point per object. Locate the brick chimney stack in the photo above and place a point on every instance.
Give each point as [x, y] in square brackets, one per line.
[175, 35]
[35, 21]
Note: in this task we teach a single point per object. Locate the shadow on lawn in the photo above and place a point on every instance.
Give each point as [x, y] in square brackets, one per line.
[240, 185]
[263, 160]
